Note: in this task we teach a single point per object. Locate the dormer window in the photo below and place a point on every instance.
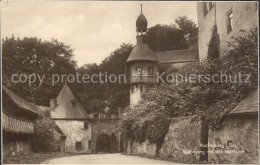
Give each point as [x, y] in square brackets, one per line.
[73, 103]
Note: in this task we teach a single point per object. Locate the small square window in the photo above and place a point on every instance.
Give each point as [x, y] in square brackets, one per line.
[78, 146]
[85, 125]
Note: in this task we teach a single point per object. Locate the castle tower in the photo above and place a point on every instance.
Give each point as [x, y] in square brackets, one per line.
[141, 63]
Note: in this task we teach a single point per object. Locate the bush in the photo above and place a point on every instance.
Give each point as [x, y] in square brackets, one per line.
[44, 135]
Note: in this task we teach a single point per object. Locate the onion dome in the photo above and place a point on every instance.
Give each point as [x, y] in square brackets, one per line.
[141, 23]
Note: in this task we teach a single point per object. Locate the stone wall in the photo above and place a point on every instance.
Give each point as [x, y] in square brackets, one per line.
[236, 141]
[17, 143]
[75, 132]
[181, 143]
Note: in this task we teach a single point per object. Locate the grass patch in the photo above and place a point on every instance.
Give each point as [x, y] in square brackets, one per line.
[34, 158]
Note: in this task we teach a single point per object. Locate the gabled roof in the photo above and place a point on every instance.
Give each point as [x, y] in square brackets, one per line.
[64, 109]
[248, 105]
[21, 102]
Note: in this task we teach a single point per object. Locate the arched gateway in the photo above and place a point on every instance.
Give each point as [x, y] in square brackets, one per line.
[103, 143]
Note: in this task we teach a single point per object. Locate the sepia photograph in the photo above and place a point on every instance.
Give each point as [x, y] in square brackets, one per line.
[129, 82]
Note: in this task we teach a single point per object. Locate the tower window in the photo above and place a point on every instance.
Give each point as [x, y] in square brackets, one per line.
[138, 71]
[85, 125]
[78, 146]
[96, 115]
[229, 21]
[150, 71]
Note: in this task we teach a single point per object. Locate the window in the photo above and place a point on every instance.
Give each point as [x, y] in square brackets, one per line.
[207, 6]
[78, 146]
[229, 21]
[96, 115]
[89, 144]
[73, 103]
[141, 88]
[139, 70]
[210, 5]
[85, 125]
[150, 71]
[132, 89]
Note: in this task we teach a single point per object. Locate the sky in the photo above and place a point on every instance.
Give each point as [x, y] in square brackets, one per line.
[93, 29]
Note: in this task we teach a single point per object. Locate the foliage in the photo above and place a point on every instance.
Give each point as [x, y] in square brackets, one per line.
[213, 48]
[204, 98]
[54, 57]
[34, 56]
[173, 36]
[187, 26]
[44, 135]
[166, 37]
[94, 95]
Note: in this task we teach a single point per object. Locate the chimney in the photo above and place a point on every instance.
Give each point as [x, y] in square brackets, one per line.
[53, 103]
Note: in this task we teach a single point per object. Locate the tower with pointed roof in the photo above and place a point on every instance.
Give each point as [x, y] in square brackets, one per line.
[141, 63]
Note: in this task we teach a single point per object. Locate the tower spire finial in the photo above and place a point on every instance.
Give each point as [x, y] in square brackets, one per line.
[141, 8]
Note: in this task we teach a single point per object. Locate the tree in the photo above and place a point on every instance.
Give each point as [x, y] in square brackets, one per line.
[187, 27]
[166, 37]
[34, 56]
[44, 135]
[213, 48]
[93, 95]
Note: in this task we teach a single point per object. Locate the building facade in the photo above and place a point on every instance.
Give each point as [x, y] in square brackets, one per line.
[18, 118]
[84, 133]
[229, 17]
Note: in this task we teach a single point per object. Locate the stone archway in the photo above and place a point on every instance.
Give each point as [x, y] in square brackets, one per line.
[103, 143]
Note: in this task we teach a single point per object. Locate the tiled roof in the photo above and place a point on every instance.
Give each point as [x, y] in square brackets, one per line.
[176, 56]
[141, 52]
[185, 55]
[21, 102]
[248, 105]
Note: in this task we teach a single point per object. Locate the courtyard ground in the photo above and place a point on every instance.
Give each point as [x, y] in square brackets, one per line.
[116, 158]
[33, 158]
